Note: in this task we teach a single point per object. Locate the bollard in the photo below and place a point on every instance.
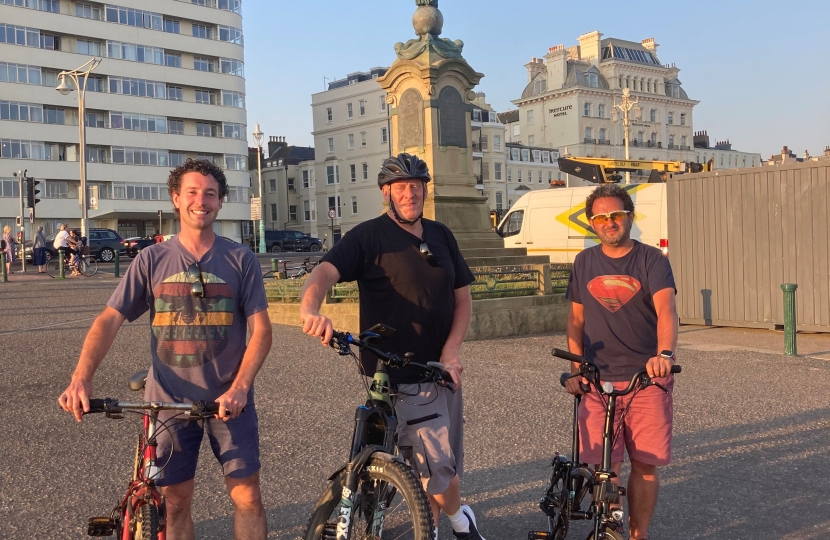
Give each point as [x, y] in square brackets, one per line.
[790, 348]
[5, 278]
[117, 263]
[61, 265]
[275, 265]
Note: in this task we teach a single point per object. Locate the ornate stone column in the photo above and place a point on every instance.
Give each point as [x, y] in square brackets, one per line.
[429, 91]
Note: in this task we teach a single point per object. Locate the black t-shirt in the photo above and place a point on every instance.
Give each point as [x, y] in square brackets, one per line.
[399, 288]
[620, 332]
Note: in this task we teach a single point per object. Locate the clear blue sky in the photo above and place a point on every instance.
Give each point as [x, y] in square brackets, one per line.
[760, 69]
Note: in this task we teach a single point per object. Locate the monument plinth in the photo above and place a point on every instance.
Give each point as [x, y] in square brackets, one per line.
[429, 91]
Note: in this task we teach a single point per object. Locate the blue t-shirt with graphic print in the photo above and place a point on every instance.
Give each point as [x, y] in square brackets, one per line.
[196, 344]
[620, 333]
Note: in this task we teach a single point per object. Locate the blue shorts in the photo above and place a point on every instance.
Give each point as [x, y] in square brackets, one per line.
[235, 444]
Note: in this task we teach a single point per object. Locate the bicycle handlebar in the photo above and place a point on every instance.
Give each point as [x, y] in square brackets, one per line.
[590, 371]
[197, 410]
[343, 341]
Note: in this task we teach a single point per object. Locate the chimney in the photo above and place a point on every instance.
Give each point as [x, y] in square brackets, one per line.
[827, 151]
[589, 45]
[275, 144]
[556, 65]
[650, 44]
[534, 67]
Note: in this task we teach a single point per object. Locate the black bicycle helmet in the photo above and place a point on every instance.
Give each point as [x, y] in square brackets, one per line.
[403, 167]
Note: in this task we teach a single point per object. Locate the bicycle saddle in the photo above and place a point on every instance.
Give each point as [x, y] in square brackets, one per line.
[137, 380]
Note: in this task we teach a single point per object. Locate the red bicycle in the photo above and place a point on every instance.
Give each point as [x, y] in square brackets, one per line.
[141, 513]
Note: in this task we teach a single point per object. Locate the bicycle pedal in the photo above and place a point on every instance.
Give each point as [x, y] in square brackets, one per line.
[538, 535]
[101, 526]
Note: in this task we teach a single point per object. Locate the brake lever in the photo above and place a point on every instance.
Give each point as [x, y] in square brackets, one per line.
[660, 386]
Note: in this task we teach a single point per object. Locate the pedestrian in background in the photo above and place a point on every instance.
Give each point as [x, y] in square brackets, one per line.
[10, 243]
[60, 243]
[39, 251]
[326, 243]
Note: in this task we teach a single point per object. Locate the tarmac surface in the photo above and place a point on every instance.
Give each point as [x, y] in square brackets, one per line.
[751, 428]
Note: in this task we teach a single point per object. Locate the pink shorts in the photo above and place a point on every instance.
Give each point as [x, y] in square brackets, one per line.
[647, 428]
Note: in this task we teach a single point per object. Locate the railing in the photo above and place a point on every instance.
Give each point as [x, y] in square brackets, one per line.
[590, 141]
[495, 283]
[476, 147]
[672, 146]
[652, 144]
[684, 147]
[604, 141]
[560, 273]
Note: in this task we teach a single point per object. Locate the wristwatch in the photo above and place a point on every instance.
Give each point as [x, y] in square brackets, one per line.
[668, 354]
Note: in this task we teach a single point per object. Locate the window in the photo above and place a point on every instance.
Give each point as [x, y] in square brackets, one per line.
[273, 212]
[272, 185]
[139, 156]
[204, 64]
[19, 35]
[50, 43]
[362, 138]
[499, 200]
[57, 190]
[96, 154]
[175, 93]
[332, 175]
[670, 118]
[545, 156]
[365, 171]
[384, 136]
[134, 17]
[592, 80]
[525, 154]
[206, 97]
[383, 103]
[334, 203]
[509, 174]
[353, 173]
[233, 99]
[230, 5]
[23, 112]
[587, 134]
[529, 118]
[305, 179]
[682, 119]
[171, 26]
[230, 66]
[477, 115]
[86, 11]
[172, 60]
[177, 158]
[601, 110]
[531, 140]
[137, 87]
[331, 144]
[202, 31]
[519, 176]
[309, 210]
[349, 111]
[351, 141]
[361, 105]
[540, 177]
[292, 212]
[230, 34]
[354, 204]
[93, 84]
[602, 135]
[671, 141]
[586, 111]
[234, 131]
[497, 172]
[653, 139]
[236, 162]
[683, 143]
[206, 129]
[328, 115]
[17, 149]
[514, 154]
[639, 137]
[648, 86]
[652, 115]
[53, 115]
[497, 142]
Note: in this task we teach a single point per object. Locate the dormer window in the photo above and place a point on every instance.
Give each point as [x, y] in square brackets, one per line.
[593, 80]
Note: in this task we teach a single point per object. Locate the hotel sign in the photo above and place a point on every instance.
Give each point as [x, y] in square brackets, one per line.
[560, 111]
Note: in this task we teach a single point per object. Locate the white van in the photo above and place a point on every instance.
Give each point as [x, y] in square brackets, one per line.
[552, 221]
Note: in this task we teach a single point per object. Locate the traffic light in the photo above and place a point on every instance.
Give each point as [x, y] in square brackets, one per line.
[31, 192]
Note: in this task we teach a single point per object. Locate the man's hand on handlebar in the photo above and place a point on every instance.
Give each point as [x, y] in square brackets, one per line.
[452, 365]
[659, 366]
[317, 325]
[576, 385]
[75, 398]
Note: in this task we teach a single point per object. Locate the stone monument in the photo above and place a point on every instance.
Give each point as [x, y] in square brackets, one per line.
[429, 90]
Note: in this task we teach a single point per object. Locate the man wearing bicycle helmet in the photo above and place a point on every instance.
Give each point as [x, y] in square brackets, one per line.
[623, 318]
[412, 277]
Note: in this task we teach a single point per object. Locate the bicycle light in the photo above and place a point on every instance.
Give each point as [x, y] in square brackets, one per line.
[607, 387]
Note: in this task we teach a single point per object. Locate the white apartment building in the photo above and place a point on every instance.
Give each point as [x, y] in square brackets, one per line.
[722, 155]
[569, 96]
[170, 87]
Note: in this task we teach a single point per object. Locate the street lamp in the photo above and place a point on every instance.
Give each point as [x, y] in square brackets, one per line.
[626, 105]
[64, 88]
[258, 139]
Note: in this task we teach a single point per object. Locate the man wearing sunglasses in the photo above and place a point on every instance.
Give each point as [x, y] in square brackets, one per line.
[204, 294]
[623, 318]
[412, 277]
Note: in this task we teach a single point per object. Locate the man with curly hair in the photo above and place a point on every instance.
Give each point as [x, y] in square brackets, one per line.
[204, 294]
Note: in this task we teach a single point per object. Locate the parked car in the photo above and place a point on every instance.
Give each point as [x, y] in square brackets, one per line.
[276, 241]
[135, 244]
[102, 245]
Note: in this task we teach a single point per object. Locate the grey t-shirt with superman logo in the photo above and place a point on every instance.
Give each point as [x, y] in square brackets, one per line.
[620, 333]
[196, 344]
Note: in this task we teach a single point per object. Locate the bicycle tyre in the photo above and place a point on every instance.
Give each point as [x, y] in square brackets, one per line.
[412, 523]
[89, 266]
[607, 535]
[557, 503]
[53, 267]
[147, 524]
[269, 275]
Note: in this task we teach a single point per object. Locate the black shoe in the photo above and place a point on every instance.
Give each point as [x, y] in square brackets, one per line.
[471, 517]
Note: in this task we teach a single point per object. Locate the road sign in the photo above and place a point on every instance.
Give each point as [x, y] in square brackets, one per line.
[256, 208]
[31, 215]
[332, 213]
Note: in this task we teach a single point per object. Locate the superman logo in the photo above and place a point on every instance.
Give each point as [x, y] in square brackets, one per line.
[613, 292]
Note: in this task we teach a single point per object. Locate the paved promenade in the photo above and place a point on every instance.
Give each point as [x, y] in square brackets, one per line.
[751, 431]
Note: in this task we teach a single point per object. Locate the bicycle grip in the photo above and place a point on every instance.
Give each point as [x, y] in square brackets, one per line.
[565, 355]
[97, 406]
[564, 378]
[676, 369]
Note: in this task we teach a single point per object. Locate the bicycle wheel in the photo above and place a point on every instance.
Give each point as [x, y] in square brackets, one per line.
[557, 503]
[147, 524]
[609, 534]
[89, 266]
[388, 487]
[53, 267]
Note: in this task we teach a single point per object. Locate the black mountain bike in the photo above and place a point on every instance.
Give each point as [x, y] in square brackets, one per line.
[376, 494]
[577, 492]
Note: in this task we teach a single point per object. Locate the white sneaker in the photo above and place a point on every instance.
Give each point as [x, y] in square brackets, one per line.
[471, 517]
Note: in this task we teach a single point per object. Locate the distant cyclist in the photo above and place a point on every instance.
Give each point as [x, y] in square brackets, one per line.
[411, 276]
[623, 318]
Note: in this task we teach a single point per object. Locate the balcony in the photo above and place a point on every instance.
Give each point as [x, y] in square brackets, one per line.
[673, 147]
[590, 141]
[652, 144]
[604, 141]
[684, 147]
